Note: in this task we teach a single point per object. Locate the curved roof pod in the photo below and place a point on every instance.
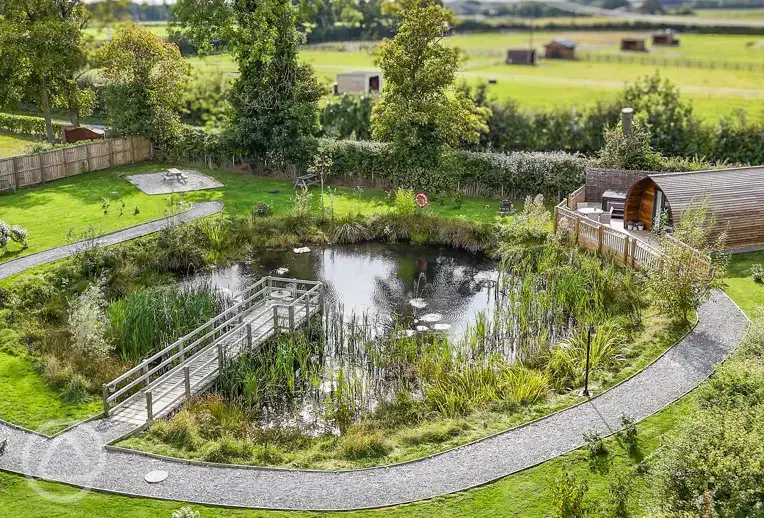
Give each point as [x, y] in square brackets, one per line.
[735, 197]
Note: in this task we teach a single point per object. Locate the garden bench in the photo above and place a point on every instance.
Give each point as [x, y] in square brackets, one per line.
[176, 175]
[305, 180]
[506, 207]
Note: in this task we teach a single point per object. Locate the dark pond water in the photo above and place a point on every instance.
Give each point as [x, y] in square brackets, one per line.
[382, 280]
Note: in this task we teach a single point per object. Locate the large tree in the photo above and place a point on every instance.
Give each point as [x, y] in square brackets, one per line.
[275, 98]
[417, 112]
[146, 79]
[41, 50]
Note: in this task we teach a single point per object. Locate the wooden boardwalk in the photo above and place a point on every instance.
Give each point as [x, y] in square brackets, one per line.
[161, 382]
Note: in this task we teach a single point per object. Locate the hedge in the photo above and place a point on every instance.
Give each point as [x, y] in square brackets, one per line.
[26, 125]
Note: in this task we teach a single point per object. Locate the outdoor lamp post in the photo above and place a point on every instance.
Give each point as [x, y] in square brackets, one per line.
[585, 392]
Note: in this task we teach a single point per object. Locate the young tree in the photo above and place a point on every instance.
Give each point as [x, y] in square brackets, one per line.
[416, 112]
[41, 49]
[275, 98]
[681, 281]
[146, 79]
[623, 151]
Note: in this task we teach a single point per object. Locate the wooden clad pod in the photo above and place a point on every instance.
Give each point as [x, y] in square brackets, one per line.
[735, 197]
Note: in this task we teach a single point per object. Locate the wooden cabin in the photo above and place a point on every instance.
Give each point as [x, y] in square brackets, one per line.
[358, 83]
[666, 37]
[560, 48]
[521, 57]
[633, 45]
[734, 197]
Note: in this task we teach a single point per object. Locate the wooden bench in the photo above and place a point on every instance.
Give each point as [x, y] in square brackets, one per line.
[305, 180]
[176, 175]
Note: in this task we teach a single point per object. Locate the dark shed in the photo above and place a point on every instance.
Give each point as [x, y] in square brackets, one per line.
[521, 57]
[633, 45]
[560, 48]
[734, 197]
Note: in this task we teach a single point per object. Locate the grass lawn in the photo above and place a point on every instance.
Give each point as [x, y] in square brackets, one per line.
[54, 211]
[29, 400]
[740, 287]
[526, 494]
[12, 144]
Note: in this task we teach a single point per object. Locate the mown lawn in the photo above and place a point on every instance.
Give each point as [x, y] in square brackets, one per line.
[748, 294]
[526, 494]
[56, 212]
[12, 145]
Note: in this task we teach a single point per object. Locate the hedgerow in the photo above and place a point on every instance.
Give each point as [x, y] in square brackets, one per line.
[26, 125]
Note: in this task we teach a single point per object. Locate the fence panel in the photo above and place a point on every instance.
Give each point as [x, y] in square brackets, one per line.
[27, 170]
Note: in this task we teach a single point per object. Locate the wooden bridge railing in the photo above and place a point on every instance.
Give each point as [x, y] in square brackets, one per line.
[219, 329]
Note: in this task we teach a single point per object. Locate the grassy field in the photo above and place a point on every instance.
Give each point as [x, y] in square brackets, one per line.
[68, 207]
[577, 83]
[526, 494]
[12, 145]
[748, 294]
[753, 13]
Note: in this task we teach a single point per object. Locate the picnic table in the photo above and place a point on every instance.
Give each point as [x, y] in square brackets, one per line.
[175, 175]
[305, 180]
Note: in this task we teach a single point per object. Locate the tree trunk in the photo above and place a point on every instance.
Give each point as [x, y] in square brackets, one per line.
[45, 105]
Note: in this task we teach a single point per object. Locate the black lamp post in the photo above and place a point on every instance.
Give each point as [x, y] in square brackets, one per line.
[585, 392]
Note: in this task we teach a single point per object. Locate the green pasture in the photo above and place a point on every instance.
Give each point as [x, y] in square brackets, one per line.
[552, 83]
[748, 13]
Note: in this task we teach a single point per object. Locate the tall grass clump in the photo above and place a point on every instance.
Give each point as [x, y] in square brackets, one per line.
[154, 317]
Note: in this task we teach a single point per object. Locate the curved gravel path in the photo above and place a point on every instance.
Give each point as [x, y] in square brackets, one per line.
[77, 457]
[197, 211]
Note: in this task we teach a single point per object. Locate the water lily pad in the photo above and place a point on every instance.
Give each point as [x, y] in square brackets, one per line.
[431, 317]
[418, 303]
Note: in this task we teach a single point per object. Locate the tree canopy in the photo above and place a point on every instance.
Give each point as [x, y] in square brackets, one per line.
[41, 50]
[146, 78]
[417, 111]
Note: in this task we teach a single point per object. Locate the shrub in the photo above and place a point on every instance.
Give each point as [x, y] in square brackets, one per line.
[622, 151]
[88, 323]
[619, 491]
[404, 203]
[757, 273]
[76, 389]
[26, 125]
[568, 497]
[185, 512]
[19, 235]
[262, 209]
[594, 443]
[522, 385]
[5, 234]
[629, 425]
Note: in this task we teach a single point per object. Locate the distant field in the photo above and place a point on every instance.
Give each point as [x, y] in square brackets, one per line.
[104, 33]
[731, 14]
[12, 145]
[568, 83]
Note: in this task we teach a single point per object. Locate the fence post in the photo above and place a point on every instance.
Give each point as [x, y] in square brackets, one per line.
[556, 217]
[600, 238]
[633, 251]
[90, 162]
[576, 229]
[149, 406]
[132, 149]
[249, 336]
[275, 318]
[15, 173]
[307, 309]
[291, 318]
[626, 250]
[105, 396]
[187, 379]
[220, 356]
[111, 152]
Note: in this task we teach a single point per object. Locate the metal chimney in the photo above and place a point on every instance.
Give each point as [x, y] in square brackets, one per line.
[627, 118]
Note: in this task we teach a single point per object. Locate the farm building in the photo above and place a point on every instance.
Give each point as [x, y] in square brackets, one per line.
[666, 37]
[734, 197]
[560, 48]
[521, 57]
[633, 45]
[358, 83]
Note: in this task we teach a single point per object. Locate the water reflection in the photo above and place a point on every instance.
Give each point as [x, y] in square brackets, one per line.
[382, 279]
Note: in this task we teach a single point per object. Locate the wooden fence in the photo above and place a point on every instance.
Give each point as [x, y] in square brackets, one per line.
[38, 168]
[672, 62]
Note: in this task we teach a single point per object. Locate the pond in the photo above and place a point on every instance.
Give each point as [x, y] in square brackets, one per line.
[382, 280]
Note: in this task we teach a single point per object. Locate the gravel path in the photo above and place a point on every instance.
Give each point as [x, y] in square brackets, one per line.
[197, 210]
[77, 457]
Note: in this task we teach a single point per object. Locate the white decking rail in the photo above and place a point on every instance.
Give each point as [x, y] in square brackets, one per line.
[161, 382]
[603, 239]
